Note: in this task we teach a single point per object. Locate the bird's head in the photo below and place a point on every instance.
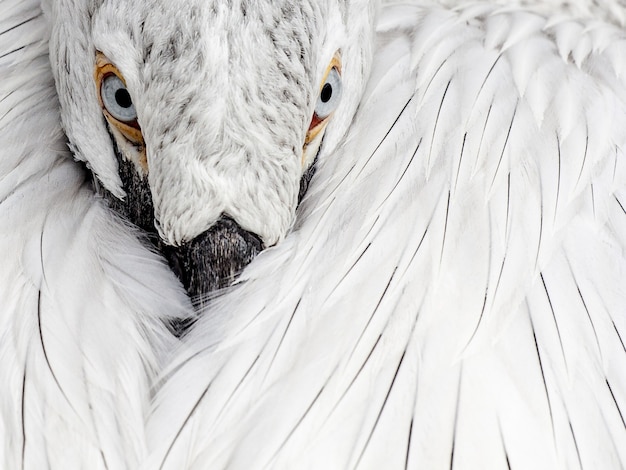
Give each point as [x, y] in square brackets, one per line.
[201, 119]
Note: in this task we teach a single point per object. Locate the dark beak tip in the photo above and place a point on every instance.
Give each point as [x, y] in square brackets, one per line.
[215, 258]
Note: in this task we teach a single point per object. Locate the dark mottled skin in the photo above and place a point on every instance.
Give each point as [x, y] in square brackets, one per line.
[212, 260]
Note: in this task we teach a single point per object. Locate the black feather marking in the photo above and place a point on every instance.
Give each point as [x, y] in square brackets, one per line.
[414, 401]
[293, 430]
[582, 167]
[305, 257]
[432, 141]
[104, 460]
[593, 201]
[593, 327]
[6, 54]
[327, 206]
[482, 86]
[255, 317]
[580, 463]
[540, 236]
[7, 96]
[504, 449]
[432, 78]
[556, 323]
[338, 185]
[365, 237]
[43, 270]
[39, 308]
[458, 169]
[187, 419]
[456, 418]
[486, 297]
[234, 392]
[369, 320]
[620, 204]
[482, 136]
[280, 343]
[343, 278]
[419, 245]
[445, 229]
[495, 290]
[401, 176]
[21, 24]
[619, 336]
[615, 401]
[408, 446]
[356, 375]
[482, 314]
[543, 377]
[406, 105]
[23, 416]
[506, 143]
[176, 369]
[558, 183]
[90, 406]
[45, 352]
[508, 208]
[380, 412]
[1, 120]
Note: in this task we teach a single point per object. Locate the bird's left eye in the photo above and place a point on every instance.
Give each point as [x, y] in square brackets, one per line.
[330, 95]
[327, 100]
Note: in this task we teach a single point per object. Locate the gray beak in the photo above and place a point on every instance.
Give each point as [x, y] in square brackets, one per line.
[210, 261]
[213, 259]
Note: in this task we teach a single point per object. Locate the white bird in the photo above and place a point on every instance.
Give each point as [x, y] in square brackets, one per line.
[451, 293]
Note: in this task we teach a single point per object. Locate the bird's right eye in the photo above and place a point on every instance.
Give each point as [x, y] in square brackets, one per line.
[328, 99]
[330, 95]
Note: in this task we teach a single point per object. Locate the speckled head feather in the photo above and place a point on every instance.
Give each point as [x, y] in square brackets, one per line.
[224, 92]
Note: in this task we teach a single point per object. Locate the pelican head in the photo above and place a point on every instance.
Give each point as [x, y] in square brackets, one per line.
[202, 119]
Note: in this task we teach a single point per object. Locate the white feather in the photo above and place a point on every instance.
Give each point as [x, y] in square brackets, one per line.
[452, 294]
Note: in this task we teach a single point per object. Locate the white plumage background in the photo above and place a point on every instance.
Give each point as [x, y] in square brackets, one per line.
[452, 293]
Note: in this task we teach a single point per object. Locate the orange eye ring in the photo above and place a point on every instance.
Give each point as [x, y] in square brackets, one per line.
[107, 77]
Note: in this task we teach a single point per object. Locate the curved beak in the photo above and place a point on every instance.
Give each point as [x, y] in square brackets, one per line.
[210, 261]
[213, 259]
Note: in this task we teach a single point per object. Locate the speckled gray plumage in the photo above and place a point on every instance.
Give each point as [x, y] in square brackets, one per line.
[224, 93]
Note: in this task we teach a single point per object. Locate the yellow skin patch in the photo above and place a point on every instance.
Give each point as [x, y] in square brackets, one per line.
[131, 131]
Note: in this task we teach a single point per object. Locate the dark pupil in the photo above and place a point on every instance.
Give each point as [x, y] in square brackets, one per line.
[327, 93]
[123, 98]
